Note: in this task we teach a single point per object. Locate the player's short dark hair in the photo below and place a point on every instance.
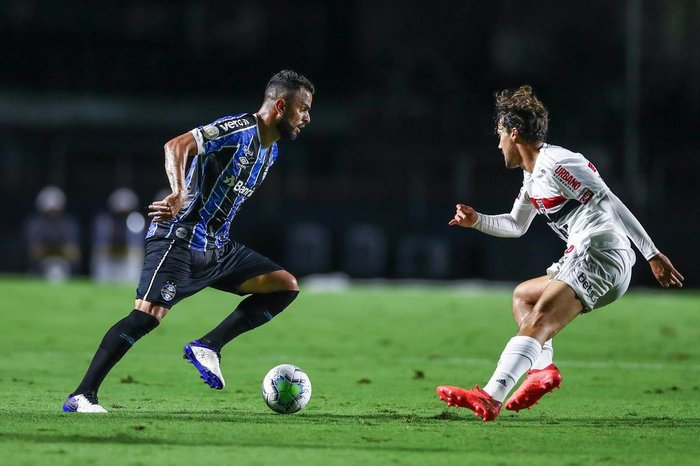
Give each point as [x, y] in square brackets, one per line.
[521, 109]
[286, 81]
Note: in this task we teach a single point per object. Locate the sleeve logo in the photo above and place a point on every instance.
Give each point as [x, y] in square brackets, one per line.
[232, 124]
[567, 178]
[586, 196]
[210, 132]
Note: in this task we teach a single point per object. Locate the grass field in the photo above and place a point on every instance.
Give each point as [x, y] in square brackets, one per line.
[630, 394]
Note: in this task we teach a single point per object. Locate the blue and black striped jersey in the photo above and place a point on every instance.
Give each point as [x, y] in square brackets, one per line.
[229, 166]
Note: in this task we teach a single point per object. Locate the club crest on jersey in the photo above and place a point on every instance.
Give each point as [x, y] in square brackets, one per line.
[210, 132]
[168, 291]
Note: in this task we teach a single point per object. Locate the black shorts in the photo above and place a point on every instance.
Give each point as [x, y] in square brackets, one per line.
[171, 271]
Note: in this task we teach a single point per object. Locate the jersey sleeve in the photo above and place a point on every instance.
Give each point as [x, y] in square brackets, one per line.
[510, 225]
[631, 226]
[578, 179]
[225, 131]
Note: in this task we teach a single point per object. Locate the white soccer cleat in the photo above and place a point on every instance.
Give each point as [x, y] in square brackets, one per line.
[206, 359]
[82, 404]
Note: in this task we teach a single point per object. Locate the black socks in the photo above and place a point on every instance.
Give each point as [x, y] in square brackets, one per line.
[116, 342]
[252, 312]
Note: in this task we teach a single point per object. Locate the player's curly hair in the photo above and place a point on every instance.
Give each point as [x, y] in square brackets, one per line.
[285, 81]
[521, 109]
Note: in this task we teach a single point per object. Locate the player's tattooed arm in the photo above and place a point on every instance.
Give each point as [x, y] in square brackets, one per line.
[177, 151]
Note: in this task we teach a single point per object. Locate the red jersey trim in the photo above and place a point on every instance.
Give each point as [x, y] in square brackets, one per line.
[547, 202]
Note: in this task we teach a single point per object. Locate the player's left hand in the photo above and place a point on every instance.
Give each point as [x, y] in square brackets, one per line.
[167, 208]
[665, 272]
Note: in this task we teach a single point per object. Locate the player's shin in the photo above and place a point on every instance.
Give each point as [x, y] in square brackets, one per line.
[517, 358]
[252, 312]
[117, 341]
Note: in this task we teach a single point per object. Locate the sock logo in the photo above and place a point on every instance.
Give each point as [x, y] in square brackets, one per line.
[128, 339]
[502, 382]
[168, 291]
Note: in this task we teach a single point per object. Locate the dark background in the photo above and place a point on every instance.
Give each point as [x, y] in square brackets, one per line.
[402, 122]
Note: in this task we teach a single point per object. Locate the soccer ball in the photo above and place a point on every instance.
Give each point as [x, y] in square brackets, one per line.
[286, 389]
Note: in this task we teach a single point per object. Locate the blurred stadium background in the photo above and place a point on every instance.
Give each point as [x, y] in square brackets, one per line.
[402, 121]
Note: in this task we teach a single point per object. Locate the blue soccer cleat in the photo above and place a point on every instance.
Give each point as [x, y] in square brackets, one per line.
[206, 359]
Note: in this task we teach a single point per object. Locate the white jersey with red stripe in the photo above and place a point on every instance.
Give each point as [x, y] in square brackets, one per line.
[568, 190]
[565, 187]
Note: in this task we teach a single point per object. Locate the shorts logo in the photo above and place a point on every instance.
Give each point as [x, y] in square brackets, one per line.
[210, 132]
[585, 284]
[168, 291]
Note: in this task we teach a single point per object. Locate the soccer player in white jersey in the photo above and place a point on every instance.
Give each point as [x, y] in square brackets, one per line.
[595, 270]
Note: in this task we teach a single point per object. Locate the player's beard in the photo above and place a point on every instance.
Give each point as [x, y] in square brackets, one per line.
[286, 130]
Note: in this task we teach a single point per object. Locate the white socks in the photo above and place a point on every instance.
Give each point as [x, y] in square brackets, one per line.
[517, 358]
[546, 356]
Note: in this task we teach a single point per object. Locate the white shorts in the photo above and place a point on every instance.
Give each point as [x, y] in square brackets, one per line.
[598, 277]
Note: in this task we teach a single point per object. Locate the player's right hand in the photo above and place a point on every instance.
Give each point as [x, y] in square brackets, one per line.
[168, 208]
[464, 217]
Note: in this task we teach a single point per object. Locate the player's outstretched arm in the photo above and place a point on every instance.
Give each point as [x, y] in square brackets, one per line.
[665, 272]
[177, 151]
[465, 216]
[510, 225]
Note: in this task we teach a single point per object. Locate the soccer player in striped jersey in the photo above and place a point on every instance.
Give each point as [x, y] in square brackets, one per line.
[567, 190]
[212, 171]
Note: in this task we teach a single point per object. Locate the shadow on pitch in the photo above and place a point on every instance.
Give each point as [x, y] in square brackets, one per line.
[146, 435]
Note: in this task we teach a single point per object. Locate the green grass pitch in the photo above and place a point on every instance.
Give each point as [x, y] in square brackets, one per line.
[630, 394]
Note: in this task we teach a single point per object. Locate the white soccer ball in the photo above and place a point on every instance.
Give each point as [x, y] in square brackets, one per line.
[286, 389]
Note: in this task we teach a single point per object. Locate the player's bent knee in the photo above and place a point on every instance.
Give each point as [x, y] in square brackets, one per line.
[520, 292]
[159, 312]
[289, 282]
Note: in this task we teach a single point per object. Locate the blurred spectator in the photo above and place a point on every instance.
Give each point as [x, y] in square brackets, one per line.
[53, 237]
[117, 242]
[365, 252]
